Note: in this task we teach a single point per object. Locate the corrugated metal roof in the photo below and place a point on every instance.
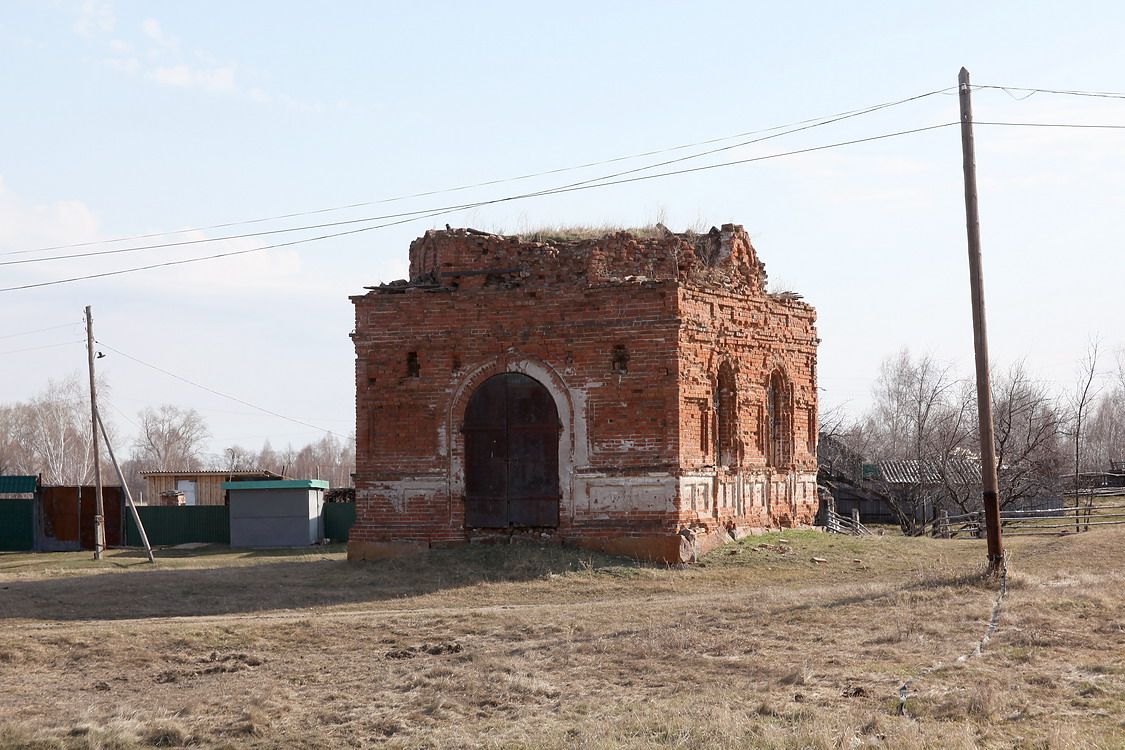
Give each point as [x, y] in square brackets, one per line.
[263, 473]
[17, 485]
[959, 470]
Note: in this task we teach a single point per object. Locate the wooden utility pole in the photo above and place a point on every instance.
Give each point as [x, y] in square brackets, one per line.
[128, 494]
[980, 333]
[99, 506]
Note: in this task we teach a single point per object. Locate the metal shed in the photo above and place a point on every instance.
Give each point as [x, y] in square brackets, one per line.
[276, 513]
[17, 513]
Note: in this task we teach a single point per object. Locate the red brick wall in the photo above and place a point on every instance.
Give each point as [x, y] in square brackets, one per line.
[632, 463]
[755, 335]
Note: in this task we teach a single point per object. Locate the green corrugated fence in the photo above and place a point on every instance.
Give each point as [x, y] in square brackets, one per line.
[17, 525]
[167, 526]
[338, 520]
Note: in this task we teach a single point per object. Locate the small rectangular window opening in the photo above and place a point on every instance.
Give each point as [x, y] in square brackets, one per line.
[620, 359]
[413, 369]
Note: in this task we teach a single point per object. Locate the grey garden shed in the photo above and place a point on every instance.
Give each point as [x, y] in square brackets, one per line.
[276, 513]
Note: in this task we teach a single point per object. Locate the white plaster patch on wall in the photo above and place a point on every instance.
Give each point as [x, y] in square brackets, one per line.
[407, 492]
[580, 435]
[616, 446]
[606, 500]
[443, 440]
[624, 494]
[652, 497]
[727, 492]
[695, 494]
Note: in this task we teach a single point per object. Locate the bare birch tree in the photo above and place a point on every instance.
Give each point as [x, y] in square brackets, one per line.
[170, 438]
[50, 434]
[1105, 432]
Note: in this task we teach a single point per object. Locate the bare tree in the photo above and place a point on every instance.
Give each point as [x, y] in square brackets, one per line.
[328, 458]
[916, 419]
[12, 453]
[1084, 394]
[1105, 430]
[834, 421]
[1029, 455]
[268, 459]
[924, 418]
[238, 458]
[50, 434]
[286, 459]
[952, 449]
[170, 438]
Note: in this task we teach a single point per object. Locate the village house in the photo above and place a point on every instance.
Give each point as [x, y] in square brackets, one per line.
[639, 393]
[194, 487]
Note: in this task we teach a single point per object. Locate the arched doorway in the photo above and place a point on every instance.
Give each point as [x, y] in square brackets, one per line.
[511, 454]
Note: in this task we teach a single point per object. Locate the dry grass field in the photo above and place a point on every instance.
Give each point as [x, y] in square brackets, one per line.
[759, 646]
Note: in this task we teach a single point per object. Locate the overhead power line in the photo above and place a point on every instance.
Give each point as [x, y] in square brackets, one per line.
[415, 216]
[1053, 125]
[368, 219]
[39, 330]
[789, 128]
[181, 378]
[585, 185]
[124, 416]
[46, 346]
[1063, 92]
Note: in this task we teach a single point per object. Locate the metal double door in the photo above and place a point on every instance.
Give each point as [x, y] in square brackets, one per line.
[511, 454]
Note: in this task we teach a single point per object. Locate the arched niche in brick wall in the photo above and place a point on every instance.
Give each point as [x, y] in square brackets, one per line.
[571, 407]
[778, 428]
[726, 416]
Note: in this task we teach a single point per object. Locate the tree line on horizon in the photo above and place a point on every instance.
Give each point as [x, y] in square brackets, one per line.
[49, 435]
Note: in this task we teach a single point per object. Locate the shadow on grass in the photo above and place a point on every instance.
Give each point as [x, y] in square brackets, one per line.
[170, 556]
[165, 591]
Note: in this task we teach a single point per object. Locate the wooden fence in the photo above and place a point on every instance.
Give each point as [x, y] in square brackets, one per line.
[1052, 521]
[838, 524]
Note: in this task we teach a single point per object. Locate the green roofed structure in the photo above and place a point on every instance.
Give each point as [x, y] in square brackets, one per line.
[18, 485]
[276, 512]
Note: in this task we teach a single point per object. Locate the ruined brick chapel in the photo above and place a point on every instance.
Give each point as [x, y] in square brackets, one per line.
[639, 393]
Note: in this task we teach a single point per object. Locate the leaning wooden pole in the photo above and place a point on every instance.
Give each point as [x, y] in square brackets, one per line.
[128, 494]
[99, 507]
[991, 495]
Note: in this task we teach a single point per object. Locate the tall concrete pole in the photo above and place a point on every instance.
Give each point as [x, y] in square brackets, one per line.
[989, 480]
[99, 505]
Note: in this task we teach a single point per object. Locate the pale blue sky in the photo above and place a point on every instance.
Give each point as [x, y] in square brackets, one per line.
[125, 118]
